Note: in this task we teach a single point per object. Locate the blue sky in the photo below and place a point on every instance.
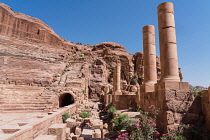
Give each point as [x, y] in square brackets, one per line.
[121, 21]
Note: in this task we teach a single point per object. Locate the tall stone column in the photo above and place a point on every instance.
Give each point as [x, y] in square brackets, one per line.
[118, 79]
[167, 40]
[150, 70]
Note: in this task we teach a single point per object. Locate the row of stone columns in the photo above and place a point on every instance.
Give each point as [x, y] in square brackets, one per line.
[168, 48]
[168, 51]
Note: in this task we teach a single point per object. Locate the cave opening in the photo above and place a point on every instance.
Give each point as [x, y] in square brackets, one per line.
[65, 99]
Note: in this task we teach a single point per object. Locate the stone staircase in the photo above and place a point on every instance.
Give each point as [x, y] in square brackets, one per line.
[19, 99]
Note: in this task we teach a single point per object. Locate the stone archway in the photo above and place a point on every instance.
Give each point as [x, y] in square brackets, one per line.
[66, 99]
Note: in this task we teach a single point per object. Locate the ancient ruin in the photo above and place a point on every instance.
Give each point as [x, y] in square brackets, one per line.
[43, 77]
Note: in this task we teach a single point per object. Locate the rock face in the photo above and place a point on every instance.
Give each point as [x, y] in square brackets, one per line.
[33, 55]
[21, 26]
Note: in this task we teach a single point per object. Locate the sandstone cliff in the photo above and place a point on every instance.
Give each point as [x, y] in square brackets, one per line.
[33, 55]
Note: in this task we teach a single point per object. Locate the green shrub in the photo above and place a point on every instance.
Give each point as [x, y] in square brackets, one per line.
[144, 127]
[134, 81]
[65, 116]
[85, 114]
[119, 122]
[136, 108]
[83, 91]
[111, 111]
[196, 92]
[176, 134]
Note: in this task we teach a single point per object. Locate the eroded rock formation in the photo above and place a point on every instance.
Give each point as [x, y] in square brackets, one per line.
[32, 55]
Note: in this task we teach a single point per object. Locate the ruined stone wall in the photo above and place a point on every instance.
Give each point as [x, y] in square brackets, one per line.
[177, 105]
[205, 104]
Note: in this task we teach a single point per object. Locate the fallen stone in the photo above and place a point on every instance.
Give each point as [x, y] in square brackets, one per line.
[78, 131]
[59, 130]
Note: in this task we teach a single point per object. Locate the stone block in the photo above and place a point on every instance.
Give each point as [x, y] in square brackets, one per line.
[97, 133]
[205, 109]
[184, 86]
[67, 132]
[70, 123]
[46, 137]
[103, 133]
[78, 131]
[204, 96]
[156, 86]
[178, 117]
[195, 107]
[190, 118]
[75, 137]
[78, 124]
[166, 95]
[105, 126]
[181, 95]
[166, 20]
[169, 85]
[148, 38]
[170, 117]
[87, 120]
[87, 133]
[59, 130]
[149, 88]
[154, 95]
[169, 36]
[178, 106]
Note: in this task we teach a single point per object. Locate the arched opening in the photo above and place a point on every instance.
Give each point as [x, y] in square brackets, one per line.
[65, 100]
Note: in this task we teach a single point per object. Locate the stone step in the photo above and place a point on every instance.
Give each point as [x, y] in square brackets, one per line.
[23, 100]
[23, 105]
[23, 111]
[24, 94]
[23, 108]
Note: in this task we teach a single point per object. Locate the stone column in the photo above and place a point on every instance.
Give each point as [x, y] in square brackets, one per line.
[118, 79]
[150, 70]
[167, 40]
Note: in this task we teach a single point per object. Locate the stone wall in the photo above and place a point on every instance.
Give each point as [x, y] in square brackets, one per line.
[39, 126]
[124, 101]
[205, 103]
[176, 103]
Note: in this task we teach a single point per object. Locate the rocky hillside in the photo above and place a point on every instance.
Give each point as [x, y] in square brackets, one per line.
[32, 54]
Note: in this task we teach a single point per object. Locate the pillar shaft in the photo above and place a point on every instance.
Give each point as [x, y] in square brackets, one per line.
[167, 40]
[150, 70]
[118, 79]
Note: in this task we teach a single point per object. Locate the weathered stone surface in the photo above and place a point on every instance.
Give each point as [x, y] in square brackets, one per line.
[70, 123]
[59, 130]
[78, 131]
[167, 40]
[46, 137]
[150, 70]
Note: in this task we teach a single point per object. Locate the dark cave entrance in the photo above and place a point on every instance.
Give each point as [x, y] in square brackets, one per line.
[65, 99]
